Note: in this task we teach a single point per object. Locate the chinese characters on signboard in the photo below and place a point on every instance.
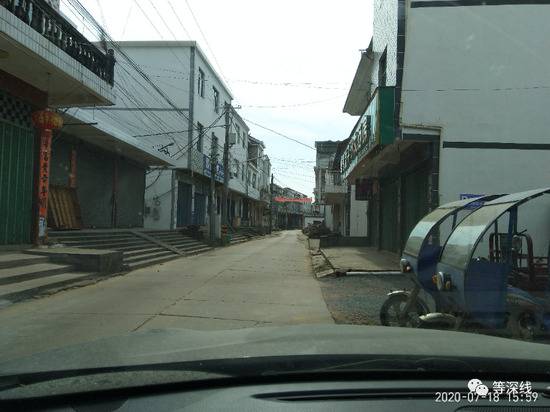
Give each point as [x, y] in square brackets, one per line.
[207, 168]
[364, 138]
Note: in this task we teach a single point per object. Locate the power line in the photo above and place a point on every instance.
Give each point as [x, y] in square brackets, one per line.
[307, 85]
[179, 20]
[175, 131]
[282, 106]
[162, 19]
[280, 134]
[206, 42]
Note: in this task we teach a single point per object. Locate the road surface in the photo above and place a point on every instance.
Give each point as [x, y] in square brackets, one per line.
[267, 281]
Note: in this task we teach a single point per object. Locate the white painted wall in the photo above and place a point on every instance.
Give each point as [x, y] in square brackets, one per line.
[385, 36]
[358, 216]
[204, 106]
[158, 200]
[329, 219]
[484, 49]
[239, 153]
[168, 64]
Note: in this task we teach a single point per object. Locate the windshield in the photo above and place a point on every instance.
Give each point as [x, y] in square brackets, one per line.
[242, 178]
[461, 243]
[418, 235]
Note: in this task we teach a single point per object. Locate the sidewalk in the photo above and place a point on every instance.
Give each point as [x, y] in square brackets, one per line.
[361, 259]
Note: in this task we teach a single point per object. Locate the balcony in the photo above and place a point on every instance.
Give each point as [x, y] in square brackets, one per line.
[375, 129]
[334, 189]
[39, 46]
[265, 196]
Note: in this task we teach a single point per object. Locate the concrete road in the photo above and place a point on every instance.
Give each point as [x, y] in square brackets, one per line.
[262, 282]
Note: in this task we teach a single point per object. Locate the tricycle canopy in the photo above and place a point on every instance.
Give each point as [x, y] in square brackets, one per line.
[421, 232]
[462, 242]
[479, 286]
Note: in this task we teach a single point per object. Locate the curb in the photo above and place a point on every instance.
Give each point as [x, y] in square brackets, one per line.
[321, 265]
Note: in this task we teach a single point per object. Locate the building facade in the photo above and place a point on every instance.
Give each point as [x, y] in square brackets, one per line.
[185, 117]
[289, 213]
[443, 109]
[344, 207]
[42, 57]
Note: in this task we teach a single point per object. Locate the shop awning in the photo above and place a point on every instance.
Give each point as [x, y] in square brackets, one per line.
[98, 132]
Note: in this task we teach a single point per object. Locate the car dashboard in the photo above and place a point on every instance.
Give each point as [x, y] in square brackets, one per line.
[298, 395]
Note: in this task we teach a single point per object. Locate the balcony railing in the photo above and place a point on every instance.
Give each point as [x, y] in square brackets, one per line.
[333, 182]
[49, 23]
[374, 128]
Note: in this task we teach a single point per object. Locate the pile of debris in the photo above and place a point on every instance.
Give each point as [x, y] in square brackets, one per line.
[315, 230]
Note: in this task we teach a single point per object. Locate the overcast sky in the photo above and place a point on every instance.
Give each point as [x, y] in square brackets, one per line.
[298, 55]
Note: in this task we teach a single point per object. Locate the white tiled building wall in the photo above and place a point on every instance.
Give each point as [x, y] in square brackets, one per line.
[385, 35]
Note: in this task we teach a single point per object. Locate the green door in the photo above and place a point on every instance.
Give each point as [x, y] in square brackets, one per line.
[415, 201]
[16, 184]
[388, 215]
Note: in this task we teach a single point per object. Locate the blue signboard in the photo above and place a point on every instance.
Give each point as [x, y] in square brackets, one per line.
[207, 167]
[473, 205]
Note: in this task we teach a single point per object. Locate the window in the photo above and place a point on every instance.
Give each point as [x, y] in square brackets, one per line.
[200, 130]
[200, 85]
[238, 132]
[236, 168]
[382, 66]
[242, 174]
[216, 100]
[244, 140]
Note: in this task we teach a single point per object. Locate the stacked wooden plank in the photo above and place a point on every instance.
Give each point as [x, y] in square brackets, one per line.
[64, 208]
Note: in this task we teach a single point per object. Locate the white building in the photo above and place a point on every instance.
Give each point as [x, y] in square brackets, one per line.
[449, 104]
[184, 117]
[343, 210]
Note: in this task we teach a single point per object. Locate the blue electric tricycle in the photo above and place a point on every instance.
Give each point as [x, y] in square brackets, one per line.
[488, 275]
[482, 273]
[419, 261]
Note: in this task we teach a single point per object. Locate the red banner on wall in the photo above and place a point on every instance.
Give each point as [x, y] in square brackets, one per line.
[280, 199]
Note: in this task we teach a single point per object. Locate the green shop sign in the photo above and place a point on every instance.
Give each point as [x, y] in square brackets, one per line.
[376, 127]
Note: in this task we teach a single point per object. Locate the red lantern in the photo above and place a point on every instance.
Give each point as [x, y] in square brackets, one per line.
[47, 120]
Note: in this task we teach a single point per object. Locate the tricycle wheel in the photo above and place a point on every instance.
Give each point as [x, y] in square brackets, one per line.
[394, 305]
[523, 325]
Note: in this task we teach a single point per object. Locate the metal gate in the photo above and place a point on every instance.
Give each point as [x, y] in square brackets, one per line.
[16, 184]
[184, 215]
[415, 200]
[388, 215]
[200, 209]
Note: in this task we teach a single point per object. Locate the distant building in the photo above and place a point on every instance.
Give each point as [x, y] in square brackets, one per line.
[342, 208]
[288, 214]
[190, 134]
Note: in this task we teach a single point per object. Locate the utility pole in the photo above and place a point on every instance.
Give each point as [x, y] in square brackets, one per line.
[225, 217]
[211, 203]
[271, 205]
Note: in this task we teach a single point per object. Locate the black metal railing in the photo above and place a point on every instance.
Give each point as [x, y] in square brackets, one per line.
[49, 23]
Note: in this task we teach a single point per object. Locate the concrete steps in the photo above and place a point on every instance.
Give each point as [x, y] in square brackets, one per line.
[141, 257]
[152, 261]
[243, 235]
[10, 260]
[17, 292]
[137, 251]
[24, 276]
[31, 271]
[181, 242]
